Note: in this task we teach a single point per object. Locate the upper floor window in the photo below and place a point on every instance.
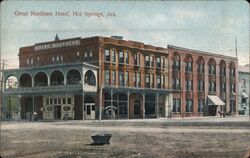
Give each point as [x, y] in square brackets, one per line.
[189, 85]
[121, 57]
[212, 67]
[113, 80]
[232, 87]
[200, 63]
[158, 81]
[188, 64]
[147, 81]
[223, 68]
[121, 78]
[90, 54]
[113, 56]
[152, 61]
[176, 83]
[212, 86]
[126, 57]
[107, 76]
[107, 55]
[147, 63]
[163, 64]
[37, 59]
[137, 59]
[176, 61]
[126, 78]
[223, 87]
[158, 62]
[231, 69]
[200, 85]
[137, 79]
[28, 61]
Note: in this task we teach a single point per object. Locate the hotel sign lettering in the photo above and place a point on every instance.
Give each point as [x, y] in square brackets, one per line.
[57, 45]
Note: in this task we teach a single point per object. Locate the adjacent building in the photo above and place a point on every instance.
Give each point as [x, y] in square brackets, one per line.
[108, 77]
[244, 90]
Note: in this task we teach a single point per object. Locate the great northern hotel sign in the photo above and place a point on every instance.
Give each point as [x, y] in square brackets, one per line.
[56, 45]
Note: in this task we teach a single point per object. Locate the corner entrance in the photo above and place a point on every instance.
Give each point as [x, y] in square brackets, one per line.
[89, 111]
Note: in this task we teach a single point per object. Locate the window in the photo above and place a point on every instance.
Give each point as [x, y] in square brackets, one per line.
[163, 81]
[121, 78]
[126, 57]
[189, 105]
[147, 61]
[189, 66]
[113, 77]
[200, 68]
[121, 57]
[107, 74]
[158, 80]
[212, 86]
[158, 62]
[57, 58]
[64, 100]
[137, 79]
[151, 80]
[147, 81]
[91, 55]
[189, 85]
[53, 59]
[223, 87]
[37, 59]
[176, 105]
[163, 62]
[151, 61]
[27, 61]
[232, 72]
[176, 65]
[69, 100]
[223, 71]
[113, 56]
[176, 84]
[211, 69]
[126, 79]
[200, 85]
[85, 55]
[200, 105]
[107, 55]
[77, 53]
[137, 59]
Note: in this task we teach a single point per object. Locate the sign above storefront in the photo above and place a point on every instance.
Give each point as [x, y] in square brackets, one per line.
[56, 45]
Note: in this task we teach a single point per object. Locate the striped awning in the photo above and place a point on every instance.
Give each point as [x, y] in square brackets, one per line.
[214, 100]
[244, 95]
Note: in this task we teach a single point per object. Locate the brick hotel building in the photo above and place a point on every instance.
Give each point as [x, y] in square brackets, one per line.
[104, 77]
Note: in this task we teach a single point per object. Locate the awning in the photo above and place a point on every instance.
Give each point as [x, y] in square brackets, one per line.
[214, 100]
[244, 95]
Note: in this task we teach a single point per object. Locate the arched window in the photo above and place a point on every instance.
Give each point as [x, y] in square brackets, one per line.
[222, 68]
[211, 66]
[176, 61]
[188, 63]
[200, 68]
[73, 77]
[41, 79]
[56, 78]
[232, 69]
[25, 80]
[89, 78]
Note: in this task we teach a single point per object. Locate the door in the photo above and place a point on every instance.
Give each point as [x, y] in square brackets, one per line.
[57, 112]
[89, 111]
[137, 109]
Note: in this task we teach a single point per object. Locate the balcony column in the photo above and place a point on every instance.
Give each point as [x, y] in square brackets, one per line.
[64, 79]
[157, 105]
[83, 111]
[143, 105]
[100, 104]
[128, 104]
[33, 104]
[48, 80]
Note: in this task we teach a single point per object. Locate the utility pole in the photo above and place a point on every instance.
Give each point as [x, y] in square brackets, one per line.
[236, 47]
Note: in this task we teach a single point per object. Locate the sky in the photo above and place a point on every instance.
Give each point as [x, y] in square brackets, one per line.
[201, 25]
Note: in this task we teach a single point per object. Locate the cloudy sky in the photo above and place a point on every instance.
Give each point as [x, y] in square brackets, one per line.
[203, 25]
